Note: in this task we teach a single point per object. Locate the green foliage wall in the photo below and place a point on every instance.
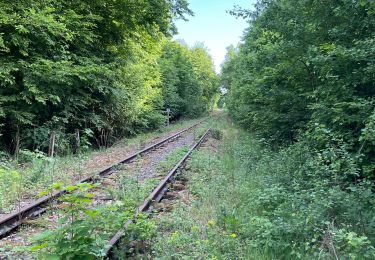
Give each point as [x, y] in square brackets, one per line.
[303, 79]
[306, 70]
[88, 65]
[189, 80]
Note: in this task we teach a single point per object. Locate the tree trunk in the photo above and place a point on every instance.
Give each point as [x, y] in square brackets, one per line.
[17, 143]
[51, 147]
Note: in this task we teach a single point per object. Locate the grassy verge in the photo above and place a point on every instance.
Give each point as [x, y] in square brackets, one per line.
[34, 172]
[249, 202]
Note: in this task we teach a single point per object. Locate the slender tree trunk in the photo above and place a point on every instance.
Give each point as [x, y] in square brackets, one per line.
[51, 147]
[78, 141]
[17, 143]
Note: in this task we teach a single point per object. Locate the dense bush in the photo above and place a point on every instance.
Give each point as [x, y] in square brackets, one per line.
[305, 66]
[304, 77]
[305, 73]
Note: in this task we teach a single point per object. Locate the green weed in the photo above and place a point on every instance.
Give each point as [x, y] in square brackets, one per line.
[250, 202]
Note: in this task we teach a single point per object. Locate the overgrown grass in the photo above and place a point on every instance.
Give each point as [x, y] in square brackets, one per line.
[85, 235]
[34, 171]
[172, 159]
[250, 202]
[83, 230]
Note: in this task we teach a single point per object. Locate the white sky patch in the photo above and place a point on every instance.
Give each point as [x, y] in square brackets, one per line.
[213, 26]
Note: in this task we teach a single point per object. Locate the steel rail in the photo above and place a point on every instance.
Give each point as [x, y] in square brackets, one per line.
[13, 220]
[155, 195]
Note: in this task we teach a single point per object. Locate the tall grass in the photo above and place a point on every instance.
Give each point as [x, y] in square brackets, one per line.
[248, 201]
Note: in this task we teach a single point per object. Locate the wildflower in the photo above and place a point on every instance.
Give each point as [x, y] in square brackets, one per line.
[211, 222]
[195, 228]
[175, 235]
[233, 235]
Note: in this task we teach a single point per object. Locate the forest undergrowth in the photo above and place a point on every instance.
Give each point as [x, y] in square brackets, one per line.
[248, 201]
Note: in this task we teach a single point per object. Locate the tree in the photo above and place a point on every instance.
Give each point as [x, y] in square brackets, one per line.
[189, 82]
[304, 63]
[67, 65]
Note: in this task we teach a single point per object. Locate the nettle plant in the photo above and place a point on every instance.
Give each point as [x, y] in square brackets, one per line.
[84, 230]
[76, 235]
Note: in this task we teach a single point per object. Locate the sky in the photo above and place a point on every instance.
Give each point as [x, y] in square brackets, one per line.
[213, 26]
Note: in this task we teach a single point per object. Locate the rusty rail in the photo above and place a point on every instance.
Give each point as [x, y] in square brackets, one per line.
[13, 220]
[154, 195]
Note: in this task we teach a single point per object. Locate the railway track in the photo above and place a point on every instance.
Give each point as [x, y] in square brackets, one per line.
[155, 196]
[12, 221]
